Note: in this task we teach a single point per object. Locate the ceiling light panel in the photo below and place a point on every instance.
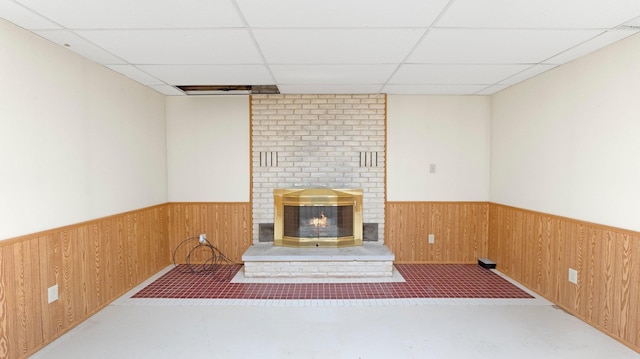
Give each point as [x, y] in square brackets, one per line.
[210, 74]
[339, 13]
[138, 14]
[327, 74]
[332, 46]
[429, 74]
[230, 46]
[540, 13]
[490, 46]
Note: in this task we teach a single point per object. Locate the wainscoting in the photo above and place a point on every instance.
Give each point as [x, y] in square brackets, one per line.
[93, 263]
[537, 250]
[460, 230]
[227, 226]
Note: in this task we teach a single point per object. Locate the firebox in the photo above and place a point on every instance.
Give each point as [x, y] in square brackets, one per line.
[317, 217]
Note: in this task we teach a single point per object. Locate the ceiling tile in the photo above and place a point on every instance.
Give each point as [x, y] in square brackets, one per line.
[23, 17]
[332, 46]
[414, 74]
[528, 73]
[432, 89]
[80, 46]
[591, 45]
[328, 74]
[136, 74]
[491, 46]
[551, 14]
[329, 89]
[231, 46]
[210, 74]
[167, 90]
[492, 89]
[339, 13]
[138, 14]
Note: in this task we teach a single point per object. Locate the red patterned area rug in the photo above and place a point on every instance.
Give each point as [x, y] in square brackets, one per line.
[421, 281]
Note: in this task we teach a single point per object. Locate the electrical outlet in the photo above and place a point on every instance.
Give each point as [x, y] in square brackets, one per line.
[432, 238]
[53, 293]
[573, 276]
[202, 238]
[432, 168]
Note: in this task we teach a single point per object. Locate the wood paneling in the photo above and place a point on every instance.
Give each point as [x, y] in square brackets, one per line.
[537, 250]
[227, 226]
[93, 263]
[460, 230]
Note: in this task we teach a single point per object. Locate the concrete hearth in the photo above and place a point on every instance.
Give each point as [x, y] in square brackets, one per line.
[371, 260]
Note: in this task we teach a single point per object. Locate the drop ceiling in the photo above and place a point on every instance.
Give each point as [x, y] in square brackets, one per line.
[330, 46]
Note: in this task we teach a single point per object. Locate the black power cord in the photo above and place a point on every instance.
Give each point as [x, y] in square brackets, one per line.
[212, 265]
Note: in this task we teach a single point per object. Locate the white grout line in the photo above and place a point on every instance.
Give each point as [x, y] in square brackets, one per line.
[127, 300]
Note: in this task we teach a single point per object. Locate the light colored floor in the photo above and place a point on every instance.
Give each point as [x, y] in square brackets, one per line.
[408, 328]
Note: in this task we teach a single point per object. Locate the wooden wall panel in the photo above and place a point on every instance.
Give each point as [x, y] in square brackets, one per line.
[227, 226]
[460, 230]
[537, 250]
[93, 263]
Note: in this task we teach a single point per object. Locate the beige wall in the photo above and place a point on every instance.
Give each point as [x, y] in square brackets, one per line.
[208, 149]
[566, 142]
[451, 132]
[77, 141]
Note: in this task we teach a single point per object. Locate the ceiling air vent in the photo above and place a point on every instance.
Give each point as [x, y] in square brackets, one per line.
[229, 90]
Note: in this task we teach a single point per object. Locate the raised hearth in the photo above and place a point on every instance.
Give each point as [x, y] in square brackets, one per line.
[371, 260]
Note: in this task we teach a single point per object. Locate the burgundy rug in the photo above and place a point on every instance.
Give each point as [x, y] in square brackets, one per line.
[421, 281]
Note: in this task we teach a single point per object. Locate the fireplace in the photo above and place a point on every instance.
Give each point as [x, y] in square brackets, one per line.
[317, 217]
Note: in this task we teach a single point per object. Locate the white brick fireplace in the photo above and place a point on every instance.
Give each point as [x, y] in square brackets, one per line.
[333, 141]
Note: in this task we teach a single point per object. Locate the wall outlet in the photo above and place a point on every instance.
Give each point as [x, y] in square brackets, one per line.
[53, 293]
[432, 238]
[573, 276]
[202, 238]
[432, 168]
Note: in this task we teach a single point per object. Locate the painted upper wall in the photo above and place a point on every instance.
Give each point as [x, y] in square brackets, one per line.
[77, 140]
[208, 149]
[451, 132]
[567, 142]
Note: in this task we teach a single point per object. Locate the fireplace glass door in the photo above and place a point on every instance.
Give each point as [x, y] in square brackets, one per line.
[318, 221]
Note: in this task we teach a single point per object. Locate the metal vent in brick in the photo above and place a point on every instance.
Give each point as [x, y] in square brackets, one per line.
[269, 159]
[370, 159]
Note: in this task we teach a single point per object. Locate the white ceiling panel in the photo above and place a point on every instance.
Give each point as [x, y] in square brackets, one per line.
[591, 45]
[230, 46]
[210, 74]
[329, 89]
[134, 73]
[23, 17]
[81, 46]
[340, 13]
[433, 89]
[492, 89]
[333, 46]
[332, 74]
[550, 14]
[167, 90]
[527, 73]
[137, 14]
[454, 74]
[491, 46]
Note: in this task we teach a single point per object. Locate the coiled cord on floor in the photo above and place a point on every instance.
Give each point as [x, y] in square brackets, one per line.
[212, 265]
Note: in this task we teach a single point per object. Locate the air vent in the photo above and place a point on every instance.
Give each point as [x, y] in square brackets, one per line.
[229, 89]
